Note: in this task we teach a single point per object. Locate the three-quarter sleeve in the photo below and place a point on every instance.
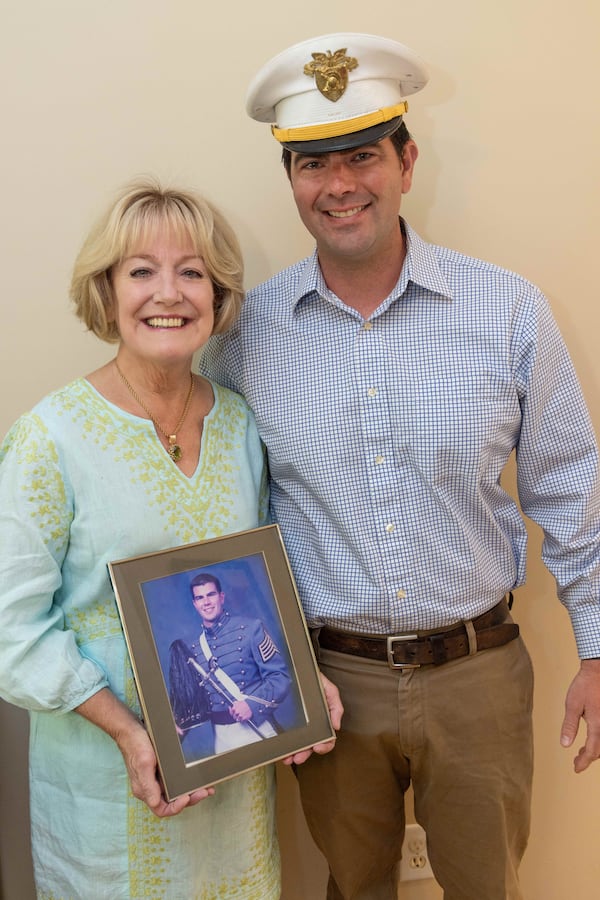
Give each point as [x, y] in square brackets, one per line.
[41, 665]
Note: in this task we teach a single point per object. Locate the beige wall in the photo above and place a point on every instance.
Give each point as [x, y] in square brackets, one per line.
[509, 132]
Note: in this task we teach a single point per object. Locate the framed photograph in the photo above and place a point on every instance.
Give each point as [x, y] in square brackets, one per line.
[221, 655]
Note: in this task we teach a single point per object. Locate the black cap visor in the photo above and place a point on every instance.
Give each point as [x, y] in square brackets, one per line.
[346, 141]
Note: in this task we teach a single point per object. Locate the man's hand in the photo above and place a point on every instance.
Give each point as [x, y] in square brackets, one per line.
[336, 711]
[583, 702]
[240, 711]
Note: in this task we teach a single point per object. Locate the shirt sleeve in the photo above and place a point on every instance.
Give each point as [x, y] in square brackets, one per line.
[557, 466]
[41, 667]
[221, 359]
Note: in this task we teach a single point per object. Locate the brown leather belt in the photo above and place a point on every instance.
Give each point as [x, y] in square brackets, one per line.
[414, 650]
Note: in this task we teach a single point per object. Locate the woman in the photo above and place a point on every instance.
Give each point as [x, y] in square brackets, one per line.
[140, 455]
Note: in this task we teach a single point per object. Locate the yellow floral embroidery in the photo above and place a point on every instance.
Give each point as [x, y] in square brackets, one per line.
[43, 482]
[134, 442]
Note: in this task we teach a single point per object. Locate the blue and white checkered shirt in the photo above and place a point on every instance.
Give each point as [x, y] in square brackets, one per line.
[387, 438]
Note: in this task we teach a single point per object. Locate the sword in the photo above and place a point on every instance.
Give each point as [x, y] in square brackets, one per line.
[207, 676]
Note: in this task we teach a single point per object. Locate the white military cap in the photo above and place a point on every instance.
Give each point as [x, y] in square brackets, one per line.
[335, 91]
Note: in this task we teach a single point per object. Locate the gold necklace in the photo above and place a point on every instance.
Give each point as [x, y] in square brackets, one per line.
[174, 450]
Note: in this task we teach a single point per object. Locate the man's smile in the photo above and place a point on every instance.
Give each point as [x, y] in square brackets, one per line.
[345, 213]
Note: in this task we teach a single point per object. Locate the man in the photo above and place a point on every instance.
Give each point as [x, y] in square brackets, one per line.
[237, 665]
[391, 380]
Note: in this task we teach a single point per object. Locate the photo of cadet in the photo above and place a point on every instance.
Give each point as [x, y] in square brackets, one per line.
[242, 673]
[224, 657]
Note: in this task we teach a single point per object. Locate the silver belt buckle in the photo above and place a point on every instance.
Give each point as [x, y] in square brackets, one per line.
[391, 640]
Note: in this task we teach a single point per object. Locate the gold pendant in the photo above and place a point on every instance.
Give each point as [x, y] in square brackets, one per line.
[174, 450]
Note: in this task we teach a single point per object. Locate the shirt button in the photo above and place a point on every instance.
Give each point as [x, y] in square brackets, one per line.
[372, 392]
[401, 594]
[390, 527]
[379, 459]
[367, 326]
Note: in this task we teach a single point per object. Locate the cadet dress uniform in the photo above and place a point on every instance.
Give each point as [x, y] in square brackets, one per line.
[242, 662]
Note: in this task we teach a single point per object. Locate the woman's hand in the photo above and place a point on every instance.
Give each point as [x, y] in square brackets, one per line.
[140, 759]
[118, 721]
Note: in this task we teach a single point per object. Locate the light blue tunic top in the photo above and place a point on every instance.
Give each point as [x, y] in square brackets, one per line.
[81, 483]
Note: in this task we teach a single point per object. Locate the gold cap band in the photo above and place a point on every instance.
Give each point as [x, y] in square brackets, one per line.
[335, 129]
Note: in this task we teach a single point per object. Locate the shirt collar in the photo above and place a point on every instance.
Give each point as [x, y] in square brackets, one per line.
[420, 267]
[311, 281]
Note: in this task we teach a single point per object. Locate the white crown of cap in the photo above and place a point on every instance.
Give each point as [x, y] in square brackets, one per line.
[282, 94]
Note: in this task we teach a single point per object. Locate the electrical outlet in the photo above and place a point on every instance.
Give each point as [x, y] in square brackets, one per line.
[415, 859]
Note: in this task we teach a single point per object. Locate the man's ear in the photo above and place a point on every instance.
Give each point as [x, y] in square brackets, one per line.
[410, 152]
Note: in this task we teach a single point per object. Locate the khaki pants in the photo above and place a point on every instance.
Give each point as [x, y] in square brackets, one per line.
[461, 734]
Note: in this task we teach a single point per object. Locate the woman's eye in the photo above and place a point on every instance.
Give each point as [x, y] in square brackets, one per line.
[140, 273]
[192, 273]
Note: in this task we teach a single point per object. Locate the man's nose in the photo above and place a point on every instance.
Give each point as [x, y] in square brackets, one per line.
[340, 179]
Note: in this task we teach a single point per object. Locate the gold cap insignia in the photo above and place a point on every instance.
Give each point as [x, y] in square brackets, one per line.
[331, 72]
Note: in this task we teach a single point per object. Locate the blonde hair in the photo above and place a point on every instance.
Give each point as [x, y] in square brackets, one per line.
[140, 210]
